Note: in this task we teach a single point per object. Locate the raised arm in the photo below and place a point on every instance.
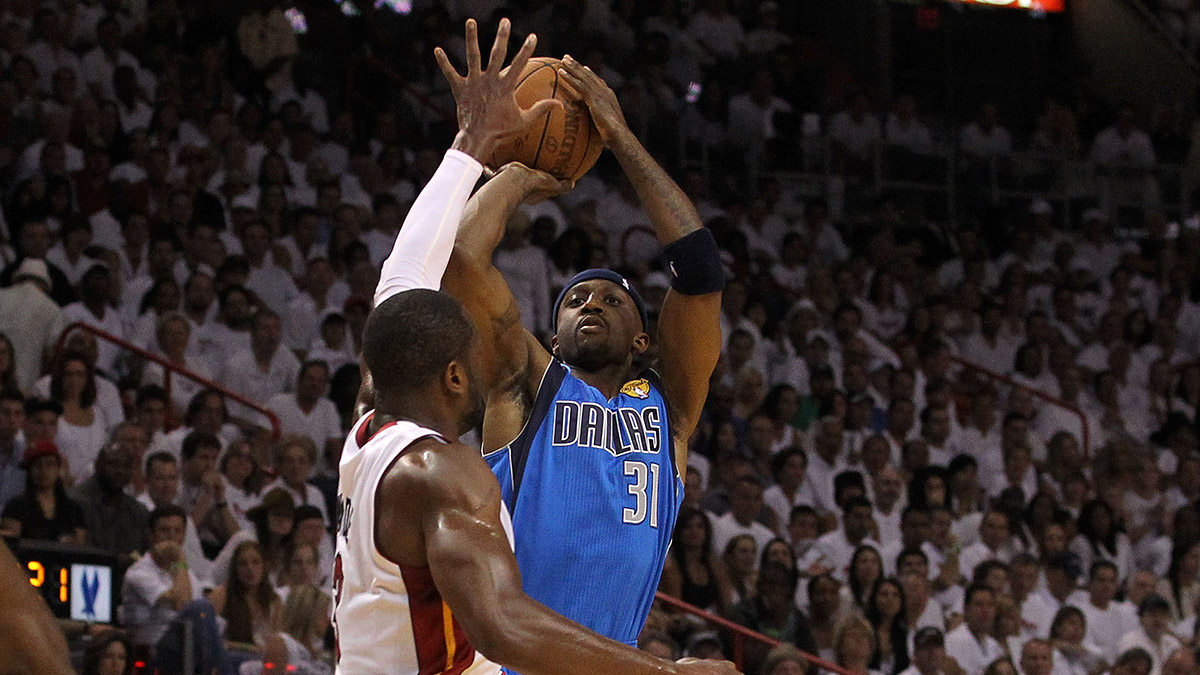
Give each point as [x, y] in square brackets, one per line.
[689, 327]
[487, 111]
[450, 492]
[513, 359]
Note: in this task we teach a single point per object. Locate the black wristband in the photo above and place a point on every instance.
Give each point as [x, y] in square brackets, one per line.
[695, 261]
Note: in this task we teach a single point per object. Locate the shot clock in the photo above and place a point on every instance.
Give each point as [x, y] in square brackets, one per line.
[77, 583]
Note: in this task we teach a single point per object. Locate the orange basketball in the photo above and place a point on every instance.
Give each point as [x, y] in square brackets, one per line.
[562, 142]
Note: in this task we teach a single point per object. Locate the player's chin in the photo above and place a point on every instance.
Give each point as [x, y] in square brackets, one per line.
[590, 354]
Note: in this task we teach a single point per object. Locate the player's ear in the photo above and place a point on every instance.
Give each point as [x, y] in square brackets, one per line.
[641, 342]
[455, 377]
[554, 345]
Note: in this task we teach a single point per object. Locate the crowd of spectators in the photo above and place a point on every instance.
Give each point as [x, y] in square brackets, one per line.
[189, 178]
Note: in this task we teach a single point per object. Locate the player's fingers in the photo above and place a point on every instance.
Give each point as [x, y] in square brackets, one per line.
[540, 108]
[585, 81]
[570, 64]
[576, 68]
[521, 59]
[575, 85]
[586, 74]
[499, 46]
[472, 47]
[448, 70]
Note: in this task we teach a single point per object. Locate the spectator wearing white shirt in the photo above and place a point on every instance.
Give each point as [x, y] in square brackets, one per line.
[98, 65]
[1124, 155]
[745, 505]
[1154, 633]
[201, 308]
[764, 230]
[158, 265]
[68, 255]
[1123, 145]
[323, 292]
[1037, 657]
[206, 412]
[766, 37]
[1108, 619]
[1019, 472]
[887, 493]
[985, 137]
[294, 457]
[971, 644]
[824, 239]
[30, 320]
[1100, 539]
[790, 490]
[936, 430]
[302, 245]
[334, 345]
[158, 586]
[826, 462]
[133, 112]
[229, 334]
[309, 413]
[50, 52]
[108, 398]
[928, 652]
[990, 345]
[271, 283]
[837, 547]
[1097, 252]
[266, 369]
[718, 31]
[173, 340]
[751, 119]
[854, 133]
[238, 469]
[93, 309]
[913, 536]
[995, 543]
[905, 130]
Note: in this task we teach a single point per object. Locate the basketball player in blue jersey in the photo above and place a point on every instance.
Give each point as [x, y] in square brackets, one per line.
[425, 579]
[588, 452]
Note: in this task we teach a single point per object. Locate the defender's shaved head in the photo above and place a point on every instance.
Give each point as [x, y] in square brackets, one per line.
[412, 336]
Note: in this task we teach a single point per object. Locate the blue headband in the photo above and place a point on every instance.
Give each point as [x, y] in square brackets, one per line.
[607, 275]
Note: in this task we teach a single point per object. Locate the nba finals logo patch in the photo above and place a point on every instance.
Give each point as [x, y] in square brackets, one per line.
[637, 389]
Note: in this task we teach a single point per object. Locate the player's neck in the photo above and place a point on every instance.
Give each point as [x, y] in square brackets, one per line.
[423, 408]
[608, 379]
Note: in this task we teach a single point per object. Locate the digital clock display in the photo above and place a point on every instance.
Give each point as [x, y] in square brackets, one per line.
[77, 583]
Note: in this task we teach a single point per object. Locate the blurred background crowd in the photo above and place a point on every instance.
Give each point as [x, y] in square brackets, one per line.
[954, 427]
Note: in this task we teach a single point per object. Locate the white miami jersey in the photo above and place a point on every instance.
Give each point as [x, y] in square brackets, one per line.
[389, 618]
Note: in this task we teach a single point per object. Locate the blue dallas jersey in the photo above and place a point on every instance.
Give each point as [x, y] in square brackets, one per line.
[594, 493]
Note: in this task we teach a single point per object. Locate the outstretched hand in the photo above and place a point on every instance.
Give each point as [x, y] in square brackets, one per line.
[487, 107]
[602, 103]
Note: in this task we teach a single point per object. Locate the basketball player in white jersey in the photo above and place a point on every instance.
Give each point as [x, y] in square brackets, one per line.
[425, 579]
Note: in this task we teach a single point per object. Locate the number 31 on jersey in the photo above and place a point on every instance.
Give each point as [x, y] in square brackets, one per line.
[644, 490]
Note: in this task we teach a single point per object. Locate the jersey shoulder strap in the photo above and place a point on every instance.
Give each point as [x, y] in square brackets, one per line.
[543, 401]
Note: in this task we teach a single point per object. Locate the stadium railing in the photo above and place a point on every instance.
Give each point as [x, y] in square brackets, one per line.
[1084, 441]
[739, 635]
[168, 369]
